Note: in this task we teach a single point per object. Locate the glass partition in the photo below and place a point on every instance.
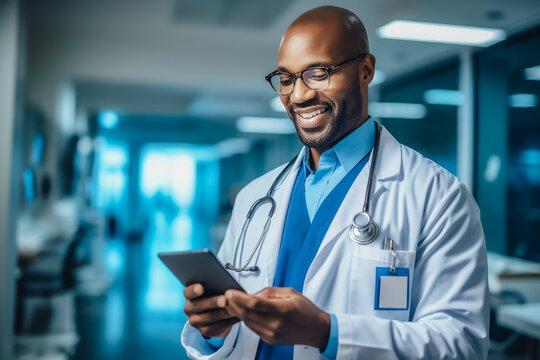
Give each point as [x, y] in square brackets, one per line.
[508, 171]
[420, 111]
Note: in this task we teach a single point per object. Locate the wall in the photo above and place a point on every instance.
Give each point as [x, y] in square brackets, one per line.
[10, 91]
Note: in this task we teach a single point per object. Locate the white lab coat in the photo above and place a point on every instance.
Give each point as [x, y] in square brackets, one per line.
[435, 224]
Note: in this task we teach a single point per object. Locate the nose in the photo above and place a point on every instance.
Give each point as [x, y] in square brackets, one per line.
[301, 93]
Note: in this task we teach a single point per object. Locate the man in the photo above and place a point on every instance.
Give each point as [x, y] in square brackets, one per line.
[416, 291]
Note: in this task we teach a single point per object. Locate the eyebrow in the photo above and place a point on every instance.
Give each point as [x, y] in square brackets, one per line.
[312, 65]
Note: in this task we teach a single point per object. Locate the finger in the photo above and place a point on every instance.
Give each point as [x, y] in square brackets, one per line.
[204, 304]
[193, 291]
[249, 302]
[247, 314]
[209, 317]
[276, 292]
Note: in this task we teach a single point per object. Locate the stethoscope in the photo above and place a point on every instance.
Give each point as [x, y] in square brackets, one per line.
[362, 230]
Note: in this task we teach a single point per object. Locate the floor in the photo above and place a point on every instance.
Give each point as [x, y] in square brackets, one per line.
[140, 317]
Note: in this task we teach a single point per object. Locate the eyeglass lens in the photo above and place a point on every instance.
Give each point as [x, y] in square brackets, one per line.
[315, 79]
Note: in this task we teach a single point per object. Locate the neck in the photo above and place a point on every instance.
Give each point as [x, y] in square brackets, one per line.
[315, 157]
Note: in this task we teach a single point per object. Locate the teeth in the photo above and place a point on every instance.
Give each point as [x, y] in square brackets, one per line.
[312, 114]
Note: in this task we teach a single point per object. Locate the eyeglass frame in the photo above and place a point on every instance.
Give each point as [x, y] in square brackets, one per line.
[329, 70]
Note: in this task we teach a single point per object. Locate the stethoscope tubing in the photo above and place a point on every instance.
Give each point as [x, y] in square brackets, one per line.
[256, 205]
[360, 234]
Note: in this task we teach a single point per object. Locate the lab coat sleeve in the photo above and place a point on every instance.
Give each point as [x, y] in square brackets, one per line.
[198, 348]
[449, 305]
[192, 340]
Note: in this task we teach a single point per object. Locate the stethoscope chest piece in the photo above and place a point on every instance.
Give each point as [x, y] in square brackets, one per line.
[362, 230]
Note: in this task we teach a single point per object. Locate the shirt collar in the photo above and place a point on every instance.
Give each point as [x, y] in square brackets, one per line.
[351, 149]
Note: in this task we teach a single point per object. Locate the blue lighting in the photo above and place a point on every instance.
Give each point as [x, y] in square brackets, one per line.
[378, 78]
[108, 119]
[397, 110]
[30, 185]
[277, 105]
[532, 73]
[522, 100]
[265, 125]
[530, 165]
[37, 149]
[530, 157]
[443, 97]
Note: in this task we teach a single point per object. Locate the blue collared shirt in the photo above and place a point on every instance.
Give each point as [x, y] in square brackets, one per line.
[334, 164]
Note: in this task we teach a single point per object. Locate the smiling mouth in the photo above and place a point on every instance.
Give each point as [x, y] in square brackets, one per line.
[311, 114]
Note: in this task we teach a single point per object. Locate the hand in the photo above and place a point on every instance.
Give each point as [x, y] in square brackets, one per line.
[208, 315]
[281, 316]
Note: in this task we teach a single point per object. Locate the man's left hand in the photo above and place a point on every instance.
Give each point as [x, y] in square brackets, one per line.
[281, 316]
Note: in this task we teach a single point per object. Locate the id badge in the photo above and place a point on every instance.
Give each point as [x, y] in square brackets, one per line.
[391, 288]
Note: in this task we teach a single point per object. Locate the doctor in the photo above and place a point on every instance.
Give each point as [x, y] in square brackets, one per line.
[416, 290]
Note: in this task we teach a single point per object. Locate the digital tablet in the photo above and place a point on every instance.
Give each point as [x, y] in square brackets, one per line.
[200, 266]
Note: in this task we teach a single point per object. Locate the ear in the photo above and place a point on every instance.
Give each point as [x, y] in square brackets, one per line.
[367, 69]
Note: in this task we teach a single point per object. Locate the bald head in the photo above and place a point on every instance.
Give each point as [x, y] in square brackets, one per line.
[344, 23]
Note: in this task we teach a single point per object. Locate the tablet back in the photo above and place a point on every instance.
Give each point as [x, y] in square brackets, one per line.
[200, 266]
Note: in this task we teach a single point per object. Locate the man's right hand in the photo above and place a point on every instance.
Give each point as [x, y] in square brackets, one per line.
[207, 314]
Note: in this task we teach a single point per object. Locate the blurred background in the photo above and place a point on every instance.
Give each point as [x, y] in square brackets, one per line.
[128, 127]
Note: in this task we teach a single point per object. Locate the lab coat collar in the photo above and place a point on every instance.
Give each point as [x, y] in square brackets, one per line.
[389, 164]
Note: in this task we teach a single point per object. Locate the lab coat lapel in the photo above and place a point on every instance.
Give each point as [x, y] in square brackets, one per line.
[388, 168]
[282, 197]
[389, 165]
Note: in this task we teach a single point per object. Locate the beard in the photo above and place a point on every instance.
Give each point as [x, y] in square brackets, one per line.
[323, 137]
[318, 138]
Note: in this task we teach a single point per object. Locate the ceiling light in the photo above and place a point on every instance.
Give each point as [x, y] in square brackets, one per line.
[378, 78]
[522, 100]
[532, 73]
[397, 110]
[493, 168]
[214, 105]
[265, 125]
[85, 146]
[277, 105]
[232, 146]
[443, 97]
[108, 119]
[440, 33]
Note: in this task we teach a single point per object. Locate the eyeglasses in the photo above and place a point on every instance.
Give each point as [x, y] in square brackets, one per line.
[315, 78]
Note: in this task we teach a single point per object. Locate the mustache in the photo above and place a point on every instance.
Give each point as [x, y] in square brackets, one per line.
[307, 104]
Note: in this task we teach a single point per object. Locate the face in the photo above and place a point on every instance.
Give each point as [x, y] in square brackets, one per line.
[322, 118]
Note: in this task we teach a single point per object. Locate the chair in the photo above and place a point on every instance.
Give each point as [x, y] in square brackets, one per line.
[45, 319]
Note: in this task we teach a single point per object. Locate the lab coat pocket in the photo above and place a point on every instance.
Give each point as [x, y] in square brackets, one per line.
[363, 293]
